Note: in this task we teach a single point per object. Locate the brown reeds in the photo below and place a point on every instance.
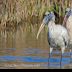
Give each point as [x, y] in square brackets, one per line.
[20, 10]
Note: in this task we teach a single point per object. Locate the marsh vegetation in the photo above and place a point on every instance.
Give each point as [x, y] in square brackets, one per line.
[14, 12]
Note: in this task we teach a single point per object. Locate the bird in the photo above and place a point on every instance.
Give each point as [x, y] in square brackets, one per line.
[68, 21]
[57, 35]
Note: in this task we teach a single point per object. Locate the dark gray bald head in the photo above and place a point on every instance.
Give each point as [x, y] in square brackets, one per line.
[68, 12]
[48, 16]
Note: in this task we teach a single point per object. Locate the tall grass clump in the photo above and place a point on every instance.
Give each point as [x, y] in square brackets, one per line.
[20, 10]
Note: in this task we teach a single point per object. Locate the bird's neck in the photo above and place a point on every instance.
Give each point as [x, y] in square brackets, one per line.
[51, 23]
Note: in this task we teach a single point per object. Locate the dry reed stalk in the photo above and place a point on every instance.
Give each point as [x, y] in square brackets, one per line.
[20, 9]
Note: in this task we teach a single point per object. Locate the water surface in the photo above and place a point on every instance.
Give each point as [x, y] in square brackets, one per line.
[19, 49]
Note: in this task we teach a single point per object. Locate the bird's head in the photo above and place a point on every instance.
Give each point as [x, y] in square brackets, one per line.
[67, 14]
[47, 17]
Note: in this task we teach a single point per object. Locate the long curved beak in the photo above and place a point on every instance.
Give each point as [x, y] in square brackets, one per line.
[40, 29]
[65, 19]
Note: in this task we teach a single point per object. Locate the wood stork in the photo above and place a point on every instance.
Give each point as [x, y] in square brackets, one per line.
[68, 20]
[57, 35]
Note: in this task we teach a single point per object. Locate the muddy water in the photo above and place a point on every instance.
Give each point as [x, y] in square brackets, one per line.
[19, 49]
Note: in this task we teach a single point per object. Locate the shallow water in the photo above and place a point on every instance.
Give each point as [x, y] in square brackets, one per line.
[19, 49]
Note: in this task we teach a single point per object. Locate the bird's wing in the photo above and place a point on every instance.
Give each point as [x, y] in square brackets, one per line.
[48, 38]
[66, 38]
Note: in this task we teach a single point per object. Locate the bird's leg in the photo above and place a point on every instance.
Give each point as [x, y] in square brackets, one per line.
[51, 49]
[61, 61]
[62, 51]
[71, 53]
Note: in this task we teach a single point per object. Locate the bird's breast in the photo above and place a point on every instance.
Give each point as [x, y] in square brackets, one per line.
[51, 30]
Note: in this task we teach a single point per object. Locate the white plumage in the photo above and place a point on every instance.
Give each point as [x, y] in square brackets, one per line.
[57, 35]
[69, 29]
[68, 20]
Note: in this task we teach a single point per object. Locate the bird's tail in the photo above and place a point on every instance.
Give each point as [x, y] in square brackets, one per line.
[66, 40]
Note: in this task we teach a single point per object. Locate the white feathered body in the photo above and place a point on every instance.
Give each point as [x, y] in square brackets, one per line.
[57, 36]
[69, 29]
